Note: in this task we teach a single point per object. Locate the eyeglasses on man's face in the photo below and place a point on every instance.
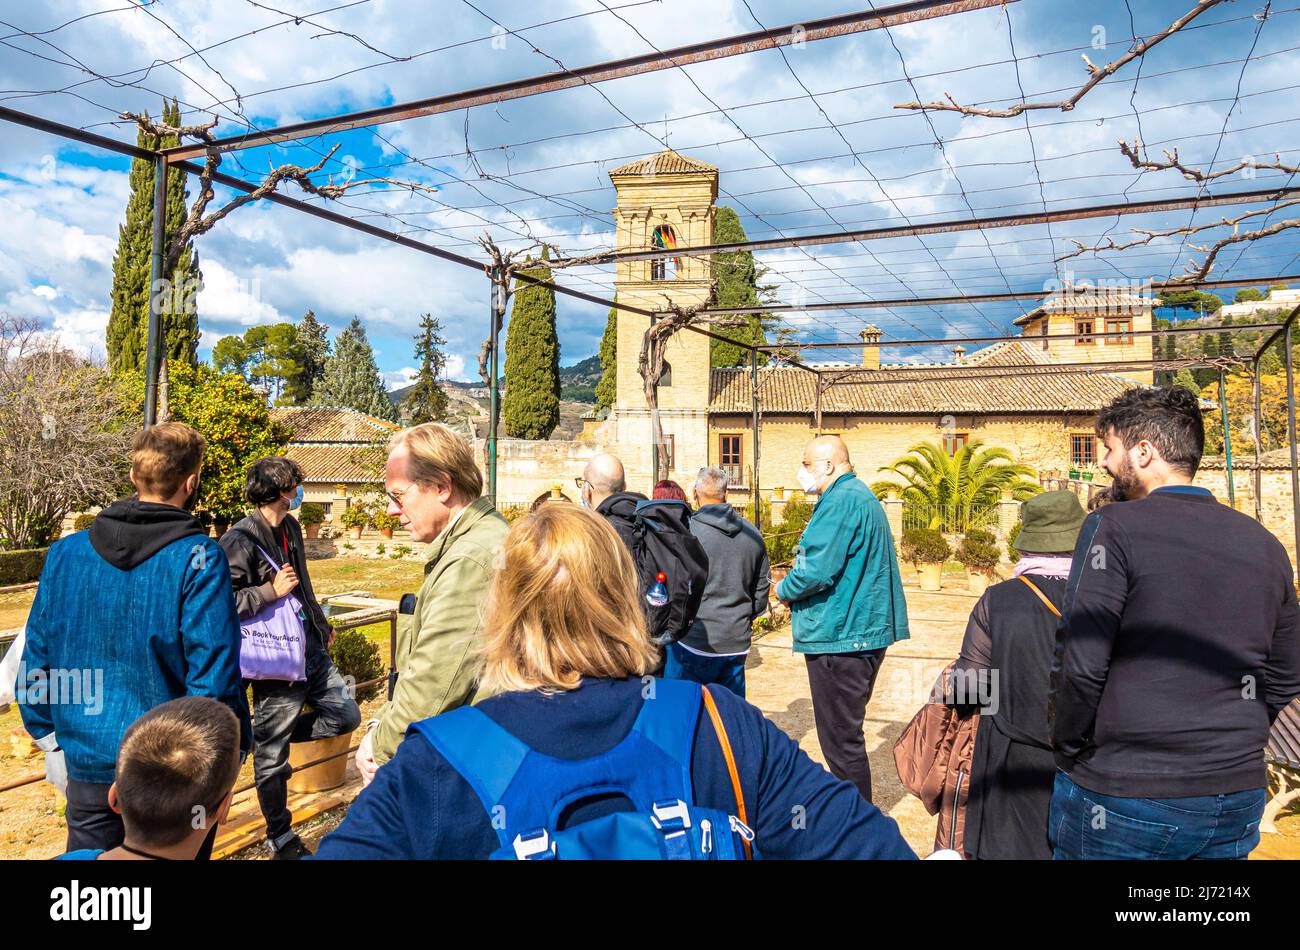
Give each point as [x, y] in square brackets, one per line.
[397, 495]
[581, 482]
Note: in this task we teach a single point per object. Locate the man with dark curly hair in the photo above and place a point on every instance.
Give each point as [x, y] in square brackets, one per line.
[1177, 648]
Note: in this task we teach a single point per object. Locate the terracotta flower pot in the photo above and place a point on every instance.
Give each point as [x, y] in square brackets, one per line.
[355, 533]
[313, 530]
[387, 533]
[931, 575]
[978, 581]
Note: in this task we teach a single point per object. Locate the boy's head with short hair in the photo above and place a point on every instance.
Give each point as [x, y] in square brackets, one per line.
[163, 457]
[175, 770]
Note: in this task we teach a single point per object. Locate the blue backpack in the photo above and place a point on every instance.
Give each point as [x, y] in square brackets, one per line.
[525, 792]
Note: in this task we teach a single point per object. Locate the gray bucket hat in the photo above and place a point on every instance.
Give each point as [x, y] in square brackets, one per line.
[1050, 523]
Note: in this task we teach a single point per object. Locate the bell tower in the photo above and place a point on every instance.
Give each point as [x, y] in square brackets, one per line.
[664, 201]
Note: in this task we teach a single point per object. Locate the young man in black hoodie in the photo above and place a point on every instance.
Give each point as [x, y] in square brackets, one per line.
[1177, 648]
[133, 613]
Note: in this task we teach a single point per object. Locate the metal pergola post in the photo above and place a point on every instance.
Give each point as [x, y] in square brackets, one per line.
[498, 309]
[794, 34]
[158, 293]
[1227, 437]
[753, 382]
[1259, 445]
[961, 224]
[1290, 431]
[1082, 287]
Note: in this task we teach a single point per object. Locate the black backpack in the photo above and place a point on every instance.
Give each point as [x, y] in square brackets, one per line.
[663, 543]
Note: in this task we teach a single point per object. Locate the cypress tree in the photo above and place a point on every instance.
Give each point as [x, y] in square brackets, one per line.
[351, 378]
[180, 320]
[607, 388]
[312, 342]
[128, 319]
[1185, 379]
[531, 407]
[737, 279]
[1225, 338]
[124, 340]
[427, 401]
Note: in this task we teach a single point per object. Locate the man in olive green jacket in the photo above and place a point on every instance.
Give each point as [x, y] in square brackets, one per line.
[434, 486]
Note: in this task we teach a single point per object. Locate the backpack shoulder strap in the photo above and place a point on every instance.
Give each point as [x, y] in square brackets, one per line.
[486, 755]
[1041, 596]
[668, 718]
[721, 731]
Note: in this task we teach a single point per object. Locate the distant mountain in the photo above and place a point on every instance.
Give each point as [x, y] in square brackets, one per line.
[588, 371]
[577, 382]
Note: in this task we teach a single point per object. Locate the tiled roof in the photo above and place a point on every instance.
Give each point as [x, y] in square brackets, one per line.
[319, 424]
[1080, 301]
[666, 162]
[924, 391]
[334, 464]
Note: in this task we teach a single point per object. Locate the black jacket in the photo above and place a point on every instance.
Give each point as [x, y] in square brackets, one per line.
[1177, 649]
[252, 577]
[619, 509]
[1006, 664]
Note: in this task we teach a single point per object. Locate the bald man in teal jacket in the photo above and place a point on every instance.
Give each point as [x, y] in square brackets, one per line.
[846, 601]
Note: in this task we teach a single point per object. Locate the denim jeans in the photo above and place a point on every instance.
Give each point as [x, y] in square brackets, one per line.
[1087, 825]
[728, 671]
[278, 719]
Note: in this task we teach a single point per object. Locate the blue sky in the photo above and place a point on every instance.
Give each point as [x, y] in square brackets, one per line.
[806, 142]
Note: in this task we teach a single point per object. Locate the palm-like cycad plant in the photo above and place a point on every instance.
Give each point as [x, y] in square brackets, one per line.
[955, 490]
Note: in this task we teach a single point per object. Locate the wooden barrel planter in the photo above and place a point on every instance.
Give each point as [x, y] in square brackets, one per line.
[325, 775]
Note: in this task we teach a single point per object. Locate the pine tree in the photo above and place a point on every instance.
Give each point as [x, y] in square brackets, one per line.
[426, 401]
[607, 388]
[737, 279]
[230, 355]
[531, 407]
[128, 321]
[351, 378]
[312, 341]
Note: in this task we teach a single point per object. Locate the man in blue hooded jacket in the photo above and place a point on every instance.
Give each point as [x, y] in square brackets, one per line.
[130, 614]
[846, 601]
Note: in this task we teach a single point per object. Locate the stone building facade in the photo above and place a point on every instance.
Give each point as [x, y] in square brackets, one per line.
[1044, 419]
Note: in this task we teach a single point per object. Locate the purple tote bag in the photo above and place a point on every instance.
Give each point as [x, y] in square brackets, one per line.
[273, 644]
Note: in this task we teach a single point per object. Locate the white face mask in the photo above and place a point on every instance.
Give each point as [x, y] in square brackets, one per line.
[807, 480]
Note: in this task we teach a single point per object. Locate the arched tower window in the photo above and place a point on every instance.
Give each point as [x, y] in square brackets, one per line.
[665, 238]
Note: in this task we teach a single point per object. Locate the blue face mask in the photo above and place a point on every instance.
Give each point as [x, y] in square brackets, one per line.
[297, 500]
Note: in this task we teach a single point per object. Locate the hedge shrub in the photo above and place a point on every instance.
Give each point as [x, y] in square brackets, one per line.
[357, 656]
[21, 567]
